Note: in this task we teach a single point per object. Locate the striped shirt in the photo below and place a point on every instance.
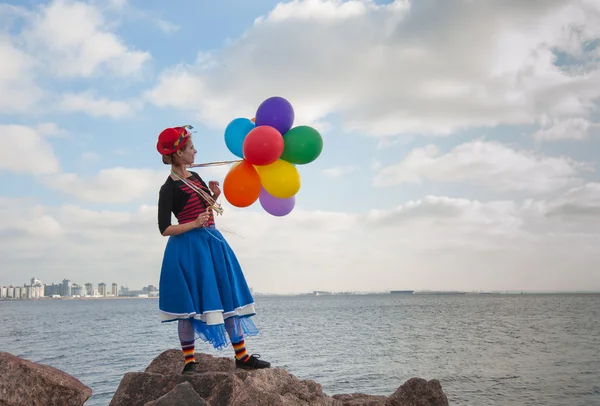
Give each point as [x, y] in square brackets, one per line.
[178, 198]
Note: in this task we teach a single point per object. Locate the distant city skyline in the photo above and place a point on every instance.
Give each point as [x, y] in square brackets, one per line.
[36, 289]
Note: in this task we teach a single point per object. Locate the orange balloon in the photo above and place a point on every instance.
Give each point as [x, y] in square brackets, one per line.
[241, 186]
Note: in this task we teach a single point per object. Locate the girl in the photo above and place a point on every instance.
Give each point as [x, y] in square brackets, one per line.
[201, 283]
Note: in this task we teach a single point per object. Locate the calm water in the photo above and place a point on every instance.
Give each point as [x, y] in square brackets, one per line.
[485, 350]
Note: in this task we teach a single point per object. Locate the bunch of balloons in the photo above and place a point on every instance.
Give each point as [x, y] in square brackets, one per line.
[270, 148]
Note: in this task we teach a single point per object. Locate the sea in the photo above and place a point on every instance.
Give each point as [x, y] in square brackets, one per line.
[525, 349]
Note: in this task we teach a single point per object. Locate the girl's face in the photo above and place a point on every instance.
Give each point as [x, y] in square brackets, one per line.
[187, 153]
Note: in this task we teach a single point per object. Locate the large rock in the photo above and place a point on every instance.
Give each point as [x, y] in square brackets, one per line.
[182, 394]
[419, 392]
[27, 383]
[220, 383]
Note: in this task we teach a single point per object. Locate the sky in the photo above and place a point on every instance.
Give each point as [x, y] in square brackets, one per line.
[461, 139]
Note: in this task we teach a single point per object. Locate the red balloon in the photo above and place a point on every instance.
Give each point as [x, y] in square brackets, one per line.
[263, 145]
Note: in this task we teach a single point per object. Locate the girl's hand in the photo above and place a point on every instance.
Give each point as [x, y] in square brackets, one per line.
[201, 219]
[213, 185]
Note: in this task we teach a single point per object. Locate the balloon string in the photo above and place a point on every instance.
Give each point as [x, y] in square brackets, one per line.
[211, 202]
[216, 163]
[225, 230]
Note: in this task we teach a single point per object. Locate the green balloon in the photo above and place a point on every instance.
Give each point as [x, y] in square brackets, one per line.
[302, 145]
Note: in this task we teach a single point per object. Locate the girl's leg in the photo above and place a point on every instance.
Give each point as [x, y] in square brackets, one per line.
[186, 337]
[242, 359]
[235, 335]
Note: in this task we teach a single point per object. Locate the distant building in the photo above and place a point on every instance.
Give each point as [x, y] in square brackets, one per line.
[89, 289]
[36, 282]
[77, 290]
[114, 290]
[66, 288]
[102, 289]
[53, 290]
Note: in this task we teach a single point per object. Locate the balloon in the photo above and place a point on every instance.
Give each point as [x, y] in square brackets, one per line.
[242, 185]
[276, 112]
[303, 144]
[281, 179]
[263, 145]
[275, 206]
[235, 133]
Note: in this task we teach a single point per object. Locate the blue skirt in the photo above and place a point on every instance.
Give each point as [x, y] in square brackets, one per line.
[201, 280]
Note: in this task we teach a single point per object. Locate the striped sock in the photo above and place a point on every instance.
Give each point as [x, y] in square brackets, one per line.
[240, 351]
[188, 351]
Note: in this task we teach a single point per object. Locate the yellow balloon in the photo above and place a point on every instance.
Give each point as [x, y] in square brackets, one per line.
[281, 179]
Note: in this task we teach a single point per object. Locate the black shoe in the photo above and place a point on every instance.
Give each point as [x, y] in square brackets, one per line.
[190, 368]
[252, 363]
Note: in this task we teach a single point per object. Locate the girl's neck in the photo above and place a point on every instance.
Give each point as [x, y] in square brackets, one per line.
[180, 170]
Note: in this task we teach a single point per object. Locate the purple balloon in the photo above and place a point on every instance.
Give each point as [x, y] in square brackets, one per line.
[274, 205]
[276, 112]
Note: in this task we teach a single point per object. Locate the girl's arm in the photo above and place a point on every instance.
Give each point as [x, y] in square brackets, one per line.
[182, 228]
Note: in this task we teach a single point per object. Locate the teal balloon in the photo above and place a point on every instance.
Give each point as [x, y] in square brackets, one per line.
[301, 145]
[235, 134]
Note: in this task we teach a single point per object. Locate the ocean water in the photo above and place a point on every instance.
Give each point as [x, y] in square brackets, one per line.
[485, 349]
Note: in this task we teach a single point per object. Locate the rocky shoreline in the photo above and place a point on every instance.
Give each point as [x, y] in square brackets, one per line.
[219, 383]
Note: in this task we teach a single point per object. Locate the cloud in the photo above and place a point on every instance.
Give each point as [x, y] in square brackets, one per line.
[401, 68]
[337, 171]
[17, 82]
[125, 9]
[166, 26]
[96, 106]
[50, 130]
[582, 204]
[576, 129]
[84, 46]
[58, 41]
[431, 243]
[113, 185]
[25, 150]
[487, 163]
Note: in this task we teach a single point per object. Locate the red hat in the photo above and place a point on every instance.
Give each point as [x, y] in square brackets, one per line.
[171, 140]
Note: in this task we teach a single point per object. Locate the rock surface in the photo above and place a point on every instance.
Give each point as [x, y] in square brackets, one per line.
[182, 394]
[28, 383]
[220, 383]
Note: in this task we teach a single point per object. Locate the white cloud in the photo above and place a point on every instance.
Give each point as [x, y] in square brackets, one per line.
[166, 26]
[389, 142]
[565, 129]
[83, 47]
[50, 130]
[490, 164]
[113, 185]
[96, 106]
[17, 83]
[26, 151]
[337, 171]
[431, 243]
[400, 68]
[177, 88]
[38, 45]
